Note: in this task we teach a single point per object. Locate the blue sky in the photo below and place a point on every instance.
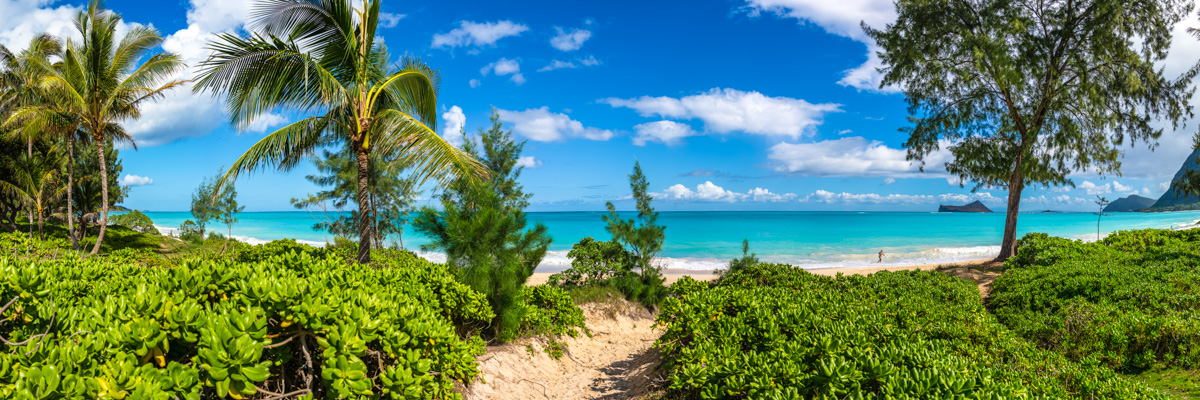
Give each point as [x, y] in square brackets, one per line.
[728, 104]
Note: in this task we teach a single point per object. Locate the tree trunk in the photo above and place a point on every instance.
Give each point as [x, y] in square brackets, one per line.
[364, 206]
[71, 188]
[103, 194]
[1008, 247]
[41, 223]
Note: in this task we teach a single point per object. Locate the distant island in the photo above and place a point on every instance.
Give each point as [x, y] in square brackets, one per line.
[1131, 203]
[975, 207]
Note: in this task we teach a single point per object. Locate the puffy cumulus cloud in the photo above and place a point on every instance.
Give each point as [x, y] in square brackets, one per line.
[569, 40]
[851, 156]
[529, 162]
[842, 18]
[454, 120]
[503, 67]
[1093, 189]
[589, 61]
[474, 83]
[889, 181]
[135, 180]
[730, 110]
[666, 132]
[478, 34]
[541, 125]
[710, 192]
[181, 113]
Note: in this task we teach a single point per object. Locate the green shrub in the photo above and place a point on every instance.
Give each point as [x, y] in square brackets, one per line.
[776, 332]
[190, 231]
[593, 262]
[549, 310]
[212, 328]
[686, 286]
[1130, 301]
[135, 221]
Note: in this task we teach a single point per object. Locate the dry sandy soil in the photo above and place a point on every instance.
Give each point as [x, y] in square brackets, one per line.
[617, 362]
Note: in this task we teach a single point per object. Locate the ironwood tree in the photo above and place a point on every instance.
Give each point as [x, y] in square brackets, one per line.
[1024, 92]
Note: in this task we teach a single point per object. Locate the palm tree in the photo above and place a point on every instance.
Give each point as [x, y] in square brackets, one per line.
[39, 115]
[20, 79]
[100, 84]
[321, 57]
[36, 182]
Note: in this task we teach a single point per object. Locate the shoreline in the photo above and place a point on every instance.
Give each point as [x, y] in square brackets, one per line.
[673, 275]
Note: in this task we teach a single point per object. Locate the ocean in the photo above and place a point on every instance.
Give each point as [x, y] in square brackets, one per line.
[817, 239]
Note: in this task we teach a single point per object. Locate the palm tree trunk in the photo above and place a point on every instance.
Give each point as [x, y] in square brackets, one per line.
[71, 188]
[364, 206]
[1008, 246]
[103, 194]
[41, 220]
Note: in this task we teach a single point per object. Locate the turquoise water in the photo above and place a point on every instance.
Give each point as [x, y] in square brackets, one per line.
[705, 240]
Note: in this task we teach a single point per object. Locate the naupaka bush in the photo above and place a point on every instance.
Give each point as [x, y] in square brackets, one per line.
[772, 331]
[291, 324]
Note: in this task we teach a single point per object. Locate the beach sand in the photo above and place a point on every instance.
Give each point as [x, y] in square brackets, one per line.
[539, 278]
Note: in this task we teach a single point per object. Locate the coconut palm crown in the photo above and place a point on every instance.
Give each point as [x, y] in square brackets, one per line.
[321, 58]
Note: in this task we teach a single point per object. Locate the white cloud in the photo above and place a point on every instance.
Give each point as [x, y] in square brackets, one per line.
[389, 20]
[134, 180]
[541, 125]
[505, 66]
[666, 132]
[1094, 189]
[1118, 187]
[529, 162]
[181, 113]
[842, 18]
[850, 156]
[845, 132]
[478, 34]
[452, 128]
[710, 192]
[590, 61]
[25, 19]
[557, 64]
[729, 110]
[969, 197]
[823, 196]
[889, 181]
[474, 83]
[570, 40]
[1067, 199]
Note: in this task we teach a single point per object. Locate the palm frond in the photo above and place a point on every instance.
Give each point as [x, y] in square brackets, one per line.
[282, 149]
[260, 74]
[406, 140]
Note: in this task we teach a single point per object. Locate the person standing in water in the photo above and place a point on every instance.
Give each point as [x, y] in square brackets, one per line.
[881, 255]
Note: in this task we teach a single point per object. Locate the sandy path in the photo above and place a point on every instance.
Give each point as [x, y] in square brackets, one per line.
[617, 362]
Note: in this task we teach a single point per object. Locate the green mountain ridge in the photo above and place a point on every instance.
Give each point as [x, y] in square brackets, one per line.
[1172, 200]
[1130, 204]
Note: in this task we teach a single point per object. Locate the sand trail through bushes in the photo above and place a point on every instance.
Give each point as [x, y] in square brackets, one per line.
[617, 362]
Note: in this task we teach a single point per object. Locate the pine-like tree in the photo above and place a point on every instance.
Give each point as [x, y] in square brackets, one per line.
[482, 228]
